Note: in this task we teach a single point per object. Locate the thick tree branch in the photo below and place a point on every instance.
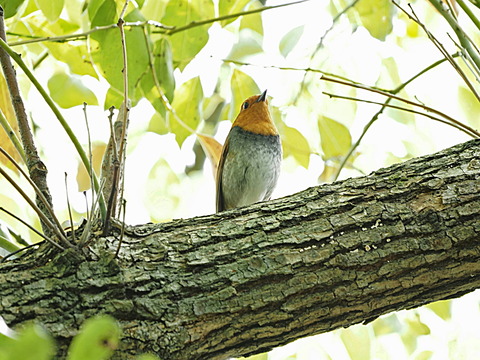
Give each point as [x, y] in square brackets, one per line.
[246, 280]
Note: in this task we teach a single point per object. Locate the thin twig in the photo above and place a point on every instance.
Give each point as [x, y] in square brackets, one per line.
[36, 168]
[40, 197]
[20, 250]
[26, 224]
[466, 129]
[387, 94]
[57, 113]
[69, 210]
[122, 230]
[37, 210]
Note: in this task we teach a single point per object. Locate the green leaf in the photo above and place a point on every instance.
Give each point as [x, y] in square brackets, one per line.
[227, 7]
[186, 44]
[68, 91]
[253, 21]
[31, 343]
[114, 97]
[50, 8]
[357, 342]
[106, 48]
[294, 144]
[248, 44]
[97, 340]
[163, 66]
[158, 124]
[11, 7]
[375, 16]
[469, 104]
[335, 137]
[442, 308]
[187, 103]
[290, 39]
[243, 86]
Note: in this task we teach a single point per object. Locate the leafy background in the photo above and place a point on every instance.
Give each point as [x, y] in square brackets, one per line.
[187, 81]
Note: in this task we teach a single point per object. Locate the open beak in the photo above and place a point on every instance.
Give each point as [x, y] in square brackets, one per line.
[262, 97]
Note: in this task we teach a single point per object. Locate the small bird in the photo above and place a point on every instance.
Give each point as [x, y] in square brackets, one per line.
[249, 166]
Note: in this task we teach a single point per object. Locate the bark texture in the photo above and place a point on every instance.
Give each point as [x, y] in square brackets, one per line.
[246, 280]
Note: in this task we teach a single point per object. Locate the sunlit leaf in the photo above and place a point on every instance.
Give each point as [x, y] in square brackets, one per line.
[294, 144]
[114, 97]
[375, 16]
[163, 66]
[68, 91]
[424, 355]
[186, 44]
[83, 179]
[97, 340]
[442, 308]
[227, 7]
[335, 137]
[106, 48]
[289, 41]
[187, 103]
[11, 7]
[31, 343]
[50, 8]
[386, 325]
[253, 21]
[8, 113]
[248, 44]
[158, 124]
[470, 106]
[243, 86]
[357, 342]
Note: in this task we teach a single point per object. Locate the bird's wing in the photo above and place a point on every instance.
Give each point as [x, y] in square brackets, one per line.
[220, 199]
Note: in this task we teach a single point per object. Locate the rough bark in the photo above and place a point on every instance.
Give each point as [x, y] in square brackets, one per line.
[246, 280]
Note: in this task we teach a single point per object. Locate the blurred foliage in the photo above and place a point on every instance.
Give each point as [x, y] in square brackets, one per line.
[98, 338]
[177, 66]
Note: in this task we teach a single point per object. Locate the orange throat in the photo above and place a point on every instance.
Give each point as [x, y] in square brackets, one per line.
[257, 120]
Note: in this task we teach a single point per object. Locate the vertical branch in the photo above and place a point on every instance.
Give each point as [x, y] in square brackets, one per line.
[36, 168]
[117, 164]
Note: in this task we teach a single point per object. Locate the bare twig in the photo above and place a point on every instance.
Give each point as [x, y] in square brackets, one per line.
[69, 211]
[25, 223]
[57, 113]
[119, 162]
[462, 127]
[36, 168]
[57, 228]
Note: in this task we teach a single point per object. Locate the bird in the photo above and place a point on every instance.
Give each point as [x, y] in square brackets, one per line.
[249, 164]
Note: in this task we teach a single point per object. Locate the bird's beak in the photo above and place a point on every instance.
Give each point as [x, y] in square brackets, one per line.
[262, 97]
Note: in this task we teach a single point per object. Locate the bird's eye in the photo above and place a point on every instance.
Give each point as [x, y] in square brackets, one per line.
[245, 105]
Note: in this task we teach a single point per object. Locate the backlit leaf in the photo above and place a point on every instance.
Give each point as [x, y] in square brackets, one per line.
[294, 144]
[187, 103]
[68, 91]
[375, 16]
[10, 7]
[83, 179]
[227, 7]
[50, 8]
[253, 21]
[442, 308]
[290, 39]
[243, 86]
[335, 137]
[186, 44]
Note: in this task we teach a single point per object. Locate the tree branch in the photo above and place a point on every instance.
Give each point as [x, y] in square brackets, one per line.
[243, 281]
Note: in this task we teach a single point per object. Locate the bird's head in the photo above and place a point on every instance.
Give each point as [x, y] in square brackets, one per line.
[255, 117]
